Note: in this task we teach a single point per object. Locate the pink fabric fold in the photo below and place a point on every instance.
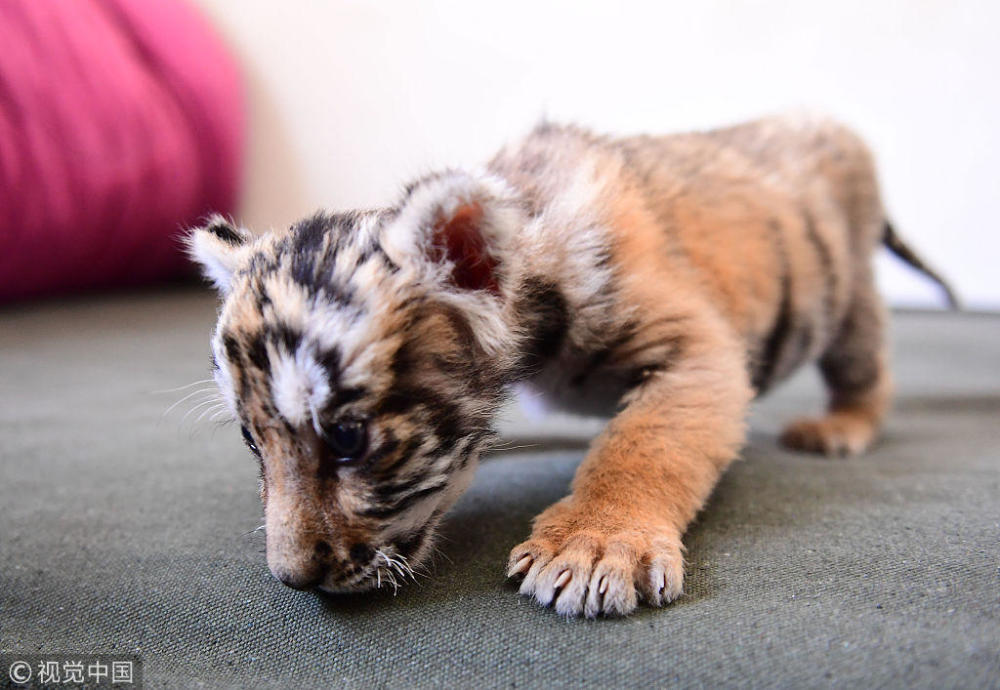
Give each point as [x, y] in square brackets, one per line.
[121, 124]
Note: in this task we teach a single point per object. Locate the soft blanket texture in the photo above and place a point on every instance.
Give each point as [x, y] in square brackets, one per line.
[121, 122]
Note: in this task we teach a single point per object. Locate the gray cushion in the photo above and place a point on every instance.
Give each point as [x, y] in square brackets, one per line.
[128, 530]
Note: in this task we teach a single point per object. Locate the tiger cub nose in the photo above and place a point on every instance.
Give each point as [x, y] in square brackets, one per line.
[300, 579]
[305, 573]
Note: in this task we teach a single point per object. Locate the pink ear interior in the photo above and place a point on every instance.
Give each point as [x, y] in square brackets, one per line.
[459, 239]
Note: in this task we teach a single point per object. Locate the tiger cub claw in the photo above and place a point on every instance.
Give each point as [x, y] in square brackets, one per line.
[592, 574]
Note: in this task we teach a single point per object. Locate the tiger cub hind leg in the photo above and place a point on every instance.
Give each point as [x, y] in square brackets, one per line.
[855, 369]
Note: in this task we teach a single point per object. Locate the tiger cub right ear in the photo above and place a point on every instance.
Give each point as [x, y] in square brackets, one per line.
[219, 248]
[460, 224]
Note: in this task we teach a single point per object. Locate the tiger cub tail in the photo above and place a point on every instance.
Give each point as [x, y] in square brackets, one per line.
[897, 246]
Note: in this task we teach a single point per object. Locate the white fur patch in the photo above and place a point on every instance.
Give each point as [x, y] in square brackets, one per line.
[224, 377]
[299, 386]
[218, 259]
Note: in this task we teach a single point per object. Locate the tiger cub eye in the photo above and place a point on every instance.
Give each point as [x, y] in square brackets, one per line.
[347, 440]
[248, 439]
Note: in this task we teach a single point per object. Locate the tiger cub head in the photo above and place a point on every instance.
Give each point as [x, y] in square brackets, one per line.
[363, 355]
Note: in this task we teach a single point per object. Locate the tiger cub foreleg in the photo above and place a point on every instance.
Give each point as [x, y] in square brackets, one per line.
[617, 538]
[855, 369]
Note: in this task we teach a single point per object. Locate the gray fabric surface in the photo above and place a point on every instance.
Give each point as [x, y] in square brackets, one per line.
[125, 530]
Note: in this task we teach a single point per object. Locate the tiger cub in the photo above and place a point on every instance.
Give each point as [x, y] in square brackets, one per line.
[666, 279]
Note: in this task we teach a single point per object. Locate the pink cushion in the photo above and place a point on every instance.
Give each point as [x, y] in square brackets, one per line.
[121, 123]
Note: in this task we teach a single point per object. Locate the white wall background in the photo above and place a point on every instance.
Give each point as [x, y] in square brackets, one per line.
[350, 99]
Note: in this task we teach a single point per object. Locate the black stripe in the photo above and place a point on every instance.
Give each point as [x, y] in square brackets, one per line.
[782, 326]
[463, 332]
[775, 339]
[313, 247]
[477, 443]
[261, 265]
[226, 232]
[342, 396]
[672, 346]
[383, 450]
[307, 241]
[257, 353]
[640, 375]
[283, 334]
[234, 353]
[403, 399]
[263, 299]
[404, 455]
[308, 234]
[392, 266]
[542, 310]
[330, 361]
[393, 504]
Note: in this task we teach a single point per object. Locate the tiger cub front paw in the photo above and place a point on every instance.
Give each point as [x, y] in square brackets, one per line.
[590, 572]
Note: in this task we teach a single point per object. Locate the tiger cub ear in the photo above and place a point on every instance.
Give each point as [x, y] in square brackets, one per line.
[218, 247]
[460, 225]
[457, 236]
